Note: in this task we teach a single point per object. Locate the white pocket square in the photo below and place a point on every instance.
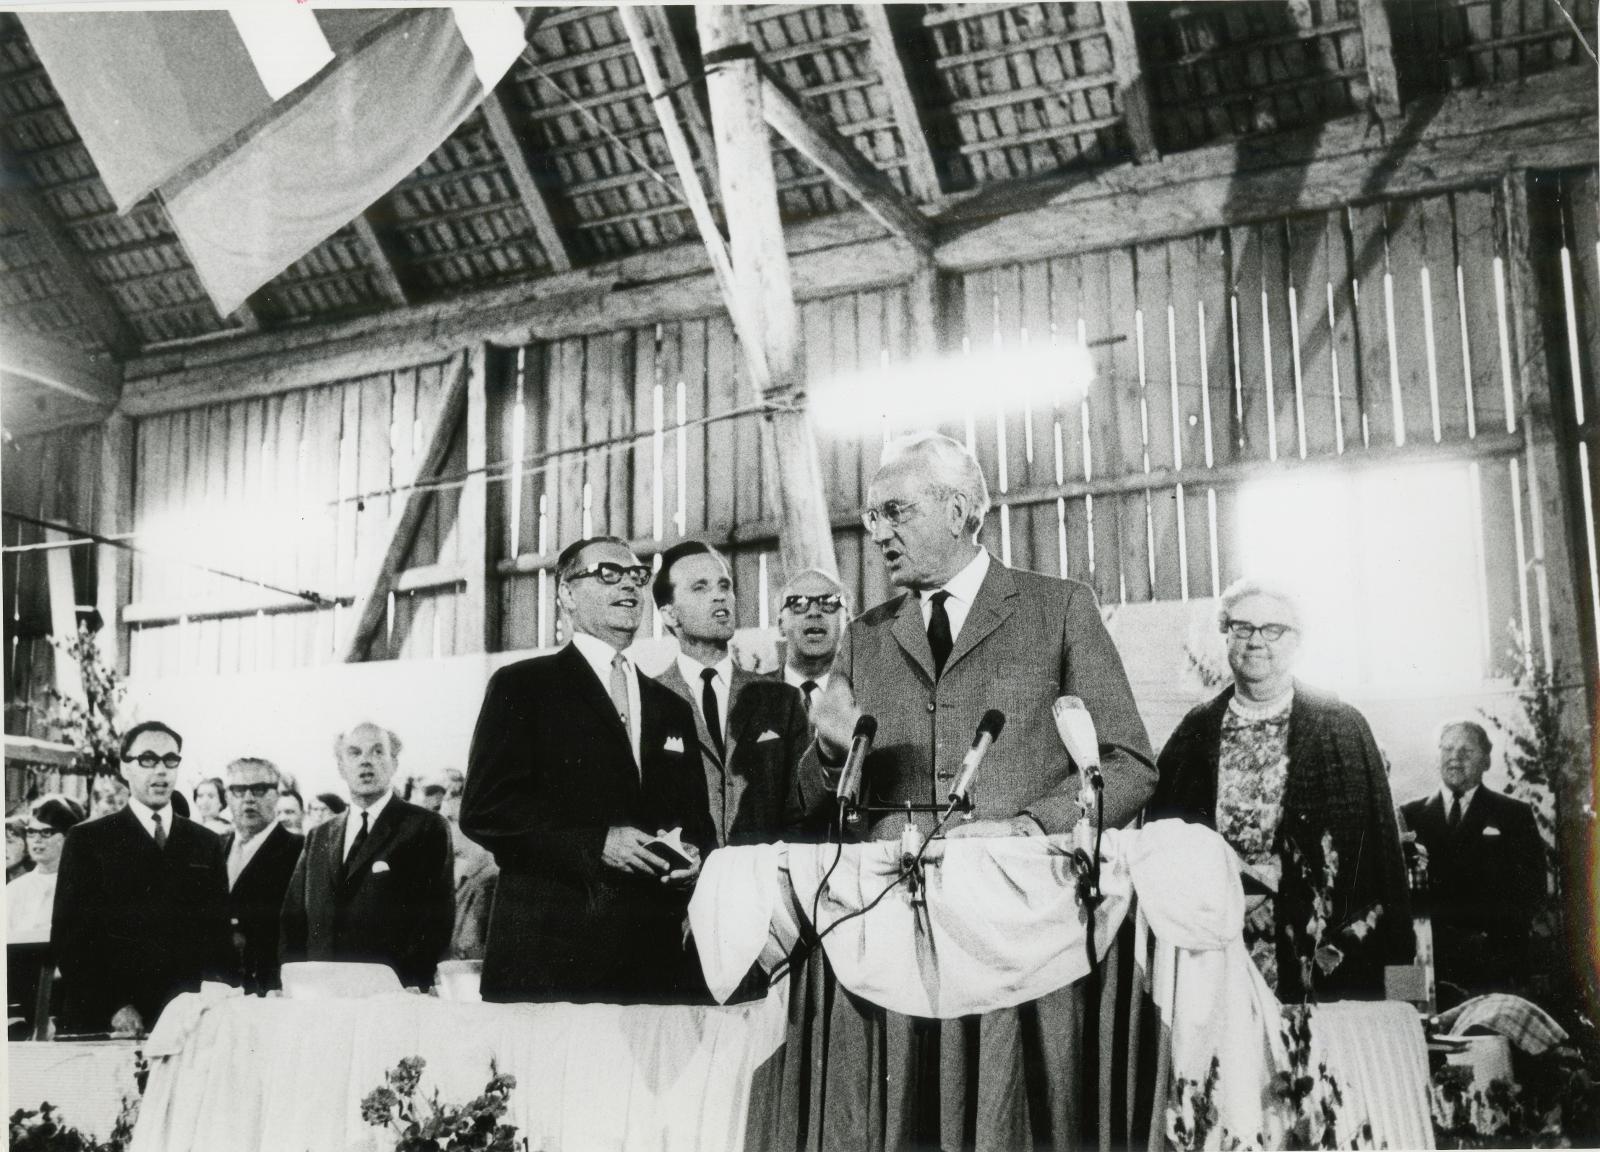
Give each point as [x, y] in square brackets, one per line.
[1491, 831]
[673, 744]
[769, 734]
[379, 866]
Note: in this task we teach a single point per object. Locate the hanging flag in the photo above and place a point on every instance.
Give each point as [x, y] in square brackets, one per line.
[252, 182]
[151, 92]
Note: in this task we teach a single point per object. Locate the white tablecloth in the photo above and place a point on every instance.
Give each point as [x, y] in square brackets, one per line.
[87, 1082]
[270, 1075]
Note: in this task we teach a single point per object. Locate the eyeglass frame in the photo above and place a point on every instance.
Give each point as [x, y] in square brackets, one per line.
[829, 602]
[641, 573]
[240, 791]
[42, 833]
[871, 514]
[170, 761]
[1252, 629]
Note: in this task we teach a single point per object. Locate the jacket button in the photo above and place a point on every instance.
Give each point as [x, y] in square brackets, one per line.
[945, 775]
[931, 705]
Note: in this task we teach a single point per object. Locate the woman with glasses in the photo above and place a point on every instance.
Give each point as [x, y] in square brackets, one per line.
[30, 897]
[1292, 778]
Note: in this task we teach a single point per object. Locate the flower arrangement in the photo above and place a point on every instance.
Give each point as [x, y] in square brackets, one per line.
[424, 1124]
[42, 1129]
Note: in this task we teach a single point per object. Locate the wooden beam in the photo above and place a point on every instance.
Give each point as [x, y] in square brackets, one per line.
[27, 208]
[761, 269]
[528, 190]
[473, 615]
[114, 516]
[1132, 86]
[679, 80]
[920, 170]
[377, 573]
[60, 367]
[378, 260]
[819, 142]
[1383, 82]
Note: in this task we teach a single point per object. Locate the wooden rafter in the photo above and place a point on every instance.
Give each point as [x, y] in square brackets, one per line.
[1132, 85]
[378, 260]
[819, 142]
[1383, 82]
[528, 191]
[60, 367]
[695, 117]
[920, 170]
[378, 573]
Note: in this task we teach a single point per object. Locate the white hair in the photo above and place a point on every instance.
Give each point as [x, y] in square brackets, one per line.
[1252, 586]
[389, 736]
[946, 465]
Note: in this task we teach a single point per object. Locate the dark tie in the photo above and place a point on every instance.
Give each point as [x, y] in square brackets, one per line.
[1453, 821]
[708, 705]
[355, 845]
[939, 632]
[808, 688]
[160, 832]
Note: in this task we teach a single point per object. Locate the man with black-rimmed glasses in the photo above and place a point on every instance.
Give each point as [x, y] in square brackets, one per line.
[261, 854]
[812, 613]
[141, 904]
[578, 762]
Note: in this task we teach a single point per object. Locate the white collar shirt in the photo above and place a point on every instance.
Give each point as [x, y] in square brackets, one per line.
[1449, 798]
[599, 655]
[146, 816]
[693, 673]
[244, 851]
[798, 680]
[963, 588]
[352, 820]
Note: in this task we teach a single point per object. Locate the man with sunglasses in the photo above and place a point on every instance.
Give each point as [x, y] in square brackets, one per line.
[577, 763]
[261, 855]
[812, 613]
[141, 903]
[752, 729]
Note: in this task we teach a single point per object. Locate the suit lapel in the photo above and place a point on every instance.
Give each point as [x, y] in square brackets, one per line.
[380, 833]
[912, 634]
[673, 678]
[588, 688]
[991, 608]
[333, 848]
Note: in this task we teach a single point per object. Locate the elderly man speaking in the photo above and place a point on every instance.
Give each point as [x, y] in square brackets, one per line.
[966, 635]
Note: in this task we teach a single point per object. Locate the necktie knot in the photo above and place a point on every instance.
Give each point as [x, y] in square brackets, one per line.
[809, 687]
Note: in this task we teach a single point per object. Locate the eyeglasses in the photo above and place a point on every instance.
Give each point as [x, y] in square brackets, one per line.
[609, 573]
[892, 512]
[829, 602]
[43, 833]
[1243, 630]
[240, 791]
[150, 760]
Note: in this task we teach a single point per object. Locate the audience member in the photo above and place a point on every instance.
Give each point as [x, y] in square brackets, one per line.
[211, 806]
[752, 729]
[261, 855]
[375, 883]
[429, 793]
[812, 613]
[455, 784]
[577, 760]
[30, 898]
[141, 901]
[1486, 870]
[476, 875]
[324, 806]
[1275, 767]
[108, 795]
[17, 860]
[291, 810]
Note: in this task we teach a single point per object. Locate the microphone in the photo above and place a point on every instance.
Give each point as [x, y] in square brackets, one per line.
[988, 729]
[1076, 728]
[848, 790]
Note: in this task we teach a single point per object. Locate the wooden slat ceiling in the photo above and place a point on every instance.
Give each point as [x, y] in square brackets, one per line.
[1004, 93]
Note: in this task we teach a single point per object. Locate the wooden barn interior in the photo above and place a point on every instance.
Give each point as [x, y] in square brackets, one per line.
[1336, 263]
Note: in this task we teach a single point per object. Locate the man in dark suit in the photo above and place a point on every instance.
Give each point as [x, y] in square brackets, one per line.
[1486, 870]
[261, 855]
[140, 910]
[376, 883]
[752, 730]
[577, 762]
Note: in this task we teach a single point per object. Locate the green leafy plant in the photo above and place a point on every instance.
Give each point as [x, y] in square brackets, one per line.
[88, 725]
[1192, 1115]
[1307, 1096]
[424, 1124]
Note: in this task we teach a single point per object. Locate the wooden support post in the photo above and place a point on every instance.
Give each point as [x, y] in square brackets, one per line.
[820, 143]
[114, 516]
[378, 572]
[1132, 86]
[920, 170]
[695, 116]
[472, 613]
[761, 272]
[63, 614]
[923, 294]
[528, 191]
[1382, 80]
[378, 261]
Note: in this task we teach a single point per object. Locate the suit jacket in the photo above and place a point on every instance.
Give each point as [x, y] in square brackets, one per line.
[1027, 639]
[255, 903]
[752, 794]
[392, 902]
[1337, 784]
[136, 924]
[550, 772]
[1486, 880]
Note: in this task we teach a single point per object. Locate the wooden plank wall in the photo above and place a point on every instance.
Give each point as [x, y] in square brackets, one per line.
[50, 477]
